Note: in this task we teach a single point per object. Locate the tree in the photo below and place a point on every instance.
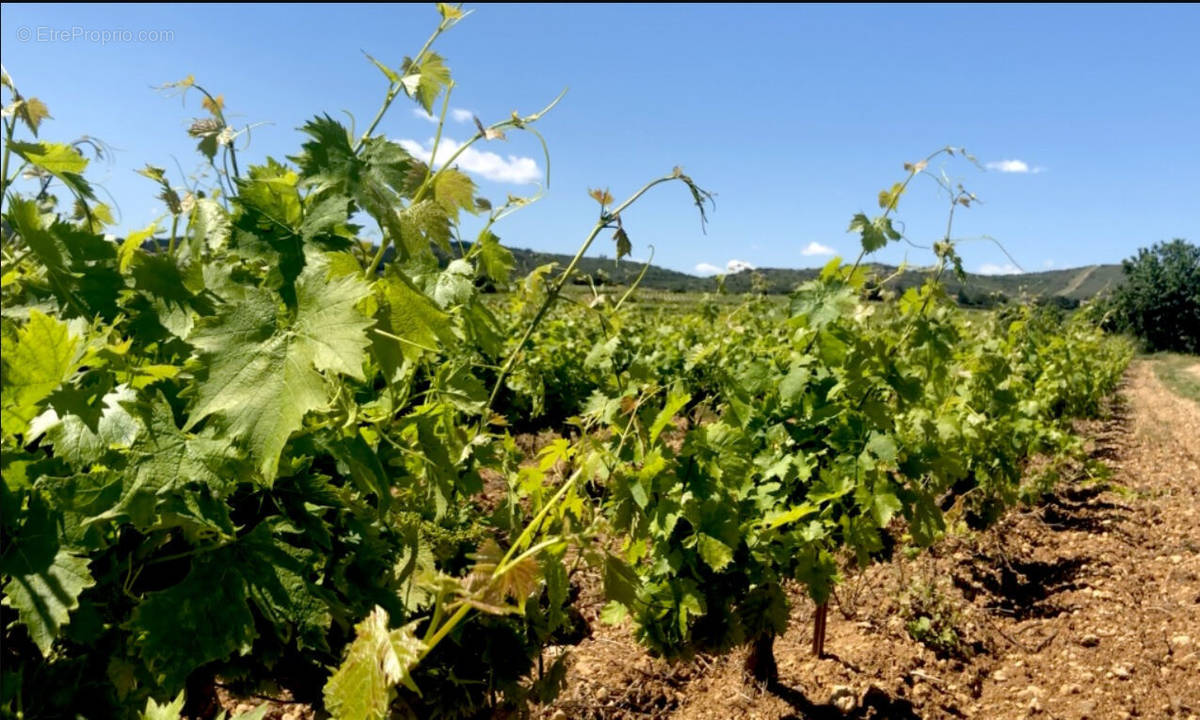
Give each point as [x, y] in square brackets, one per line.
[1159, 301]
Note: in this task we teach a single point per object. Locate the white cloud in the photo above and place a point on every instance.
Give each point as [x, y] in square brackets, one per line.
[1013, 166]
[1049, 264]
[816, 248]
[513, 169]
[993, 269]
[456, 114]
[733, 266]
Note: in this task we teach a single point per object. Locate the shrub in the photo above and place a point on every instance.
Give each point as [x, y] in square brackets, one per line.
[1159, 301]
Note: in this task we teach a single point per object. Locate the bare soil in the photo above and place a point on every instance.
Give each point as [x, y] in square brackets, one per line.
[1087, 606]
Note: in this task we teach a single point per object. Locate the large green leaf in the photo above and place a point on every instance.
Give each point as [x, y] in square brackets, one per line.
[45, 355]
[45, 580]
[163, 462]
[417, 324]
[264, 375]
[79, 443]
[203, 618]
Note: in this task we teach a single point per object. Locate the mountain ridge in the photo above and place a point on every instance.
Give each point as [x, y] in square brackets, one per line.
[1072, 284]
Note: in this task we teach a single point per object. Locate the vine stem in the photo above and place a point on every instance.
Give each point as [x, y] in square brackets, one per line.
[552, 294]
[916, 169]
[395, 87]
[9, 129]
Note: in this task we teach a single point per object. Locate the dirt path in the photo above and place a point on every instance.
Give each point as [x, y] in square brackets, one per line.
[1085, 607]
[1077, 281]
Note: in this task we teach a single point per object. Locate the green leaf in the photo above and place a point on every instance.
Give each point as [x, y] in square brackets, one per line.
[714, 552]
[33, 112]
[423, 223]
[392, 76]
[80, 265]
[209, 225]
[378, 660]
[46, 354]
[676, 401]
[55, 158]
[133, 243]
[203, 618]
[170, 711]
[424, 84]
[406, 313]
[884, 506]
[831, 486]
[45, 580]
[624, 247]
[163, 462]
[495, 260]
[77, 443]
[281, 580]
[874, 233]
[261, 379]
[45, 596]
[797, 512]
[883, 447]
[889, 198]
[455, 284]
[620, 581]
[454, 190]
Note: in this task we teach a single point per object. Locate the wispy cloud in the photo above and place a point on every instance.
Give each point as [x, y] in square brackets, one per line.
[1013, 166]
[458, 115]
[816, 248]
[707, 269]
[994, 269]
[511, 169]
[1049, 264]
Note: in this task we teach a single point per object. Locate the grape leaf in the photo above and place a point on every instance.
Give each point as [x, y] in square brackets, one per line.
[55, 158]
[495, 260]
[45, 580]
[714, 552]
[454, 190]
[45, 355]
[261, 380]
[204, 617]
[378, 660]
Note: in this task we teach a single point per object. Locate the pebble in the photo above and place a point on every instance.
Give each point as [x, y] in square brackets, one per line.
[1089, 640]
[843, 698]
[1181, 640]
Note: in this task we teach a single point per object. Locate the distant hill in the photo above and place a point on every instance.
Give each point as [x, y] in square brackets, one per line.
[1076, 284]
[1070, 286]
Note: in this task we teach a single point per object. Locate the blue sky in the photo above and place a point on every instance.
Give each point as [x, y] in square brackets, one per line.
[795, 116]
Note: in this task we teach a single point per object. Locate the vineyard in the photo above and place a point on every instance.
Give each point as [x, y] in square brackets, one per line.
[246, 444]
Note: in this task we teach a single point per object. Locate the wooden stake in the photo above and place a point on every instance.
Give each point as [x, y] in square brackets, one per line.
[819, 629]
